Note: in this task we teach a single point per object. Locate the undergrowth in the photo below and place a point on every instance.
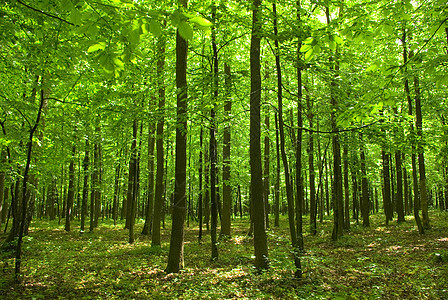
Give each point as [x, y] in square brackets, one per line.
[380, 262]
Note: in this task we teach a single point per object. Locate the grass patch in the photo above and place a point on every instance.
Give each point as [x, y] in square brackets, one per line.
[380, 262]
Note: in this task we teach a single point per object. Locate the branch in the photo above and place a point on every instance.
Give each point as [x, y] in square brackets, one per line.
[45, 13]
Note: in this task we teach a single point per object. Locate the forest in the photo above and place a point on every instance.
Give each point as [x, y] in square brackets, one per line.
[216, 149]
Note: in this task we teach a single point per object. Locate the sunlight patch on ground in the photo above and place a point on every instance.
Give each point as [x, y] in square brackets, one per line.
[382, 229]
[443, 239]
[393, 248]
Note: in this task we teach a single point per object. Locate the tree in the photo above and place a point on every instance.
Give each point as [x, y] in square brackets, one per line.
[256, 183]
[175, 256]
[158, 197]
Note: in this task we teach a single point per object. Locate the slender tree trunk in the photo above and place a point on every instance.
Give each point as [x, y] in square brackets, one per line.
[159, 189]
[2, 184]
[85, 190]
[226, 186]
[93, 187]
[405, 186]
[266, 183]
[99, 169]
[300, 201]
[413, 156]
[399, 199]
[116, 190]
[24, 188]
[175, 256]
[213, 154]
[256, 184]
[132, 187]
[288, 179]
[346, 191]
[200, 201]
[386, 187]
[207, 192]
[71, 190]
[313, 202]
[150, 193]
[421, 155]
[365, 202]
[277, 177]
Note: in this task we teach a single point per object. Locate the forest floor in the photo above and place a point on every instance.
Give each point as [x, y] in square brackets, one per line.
[380, 262]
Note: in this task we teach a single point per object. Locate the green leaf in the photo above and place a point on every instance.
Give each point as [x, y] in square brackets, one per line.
[185, 30]
[332, 45]
[155, 28]
[372, 68]
[338, 39]
[309, 55]
[316, 49]
[76, 17]
[309, 40]
[96, 47]
[388, 29]
[305, 48]
[201, 21]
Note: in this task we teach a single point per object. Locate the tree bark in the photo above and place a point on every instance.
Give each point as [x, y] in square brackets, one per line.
[150, 193]
[213, 154]
[266, 183]
[256, 182]
[159, 189]
[175, 256]
[277, 177]
[421, 155]
[25, 190]
[346, 191]
[365, 201]
[85, 190]
[387, 202]
[200, 201]
[288, 179]
[132, 186]
[71, 190]
[226, 186]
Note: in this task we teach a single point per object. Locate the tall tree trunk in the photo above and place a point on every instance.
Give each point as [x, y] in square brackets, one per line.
[132, 186]
[24, 187]
[277, 177]
[207, 191]
[85, 189]
[421, 154]
[150, 193]
[2, 184]
[405, 186]
[213, 154]
[93, 187]
[159, 189]
[200, 201]
[299, 178]
[338, 207]
[399, 199]
[288, 179]
[99, 169]
[365, 202]
[226, 186]
[116, 190]
[175, 256]
[71, 190]
[266, 183]
[346, 191]
[313, 202]
[387, 202]
[256, 181]
[413, 156]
